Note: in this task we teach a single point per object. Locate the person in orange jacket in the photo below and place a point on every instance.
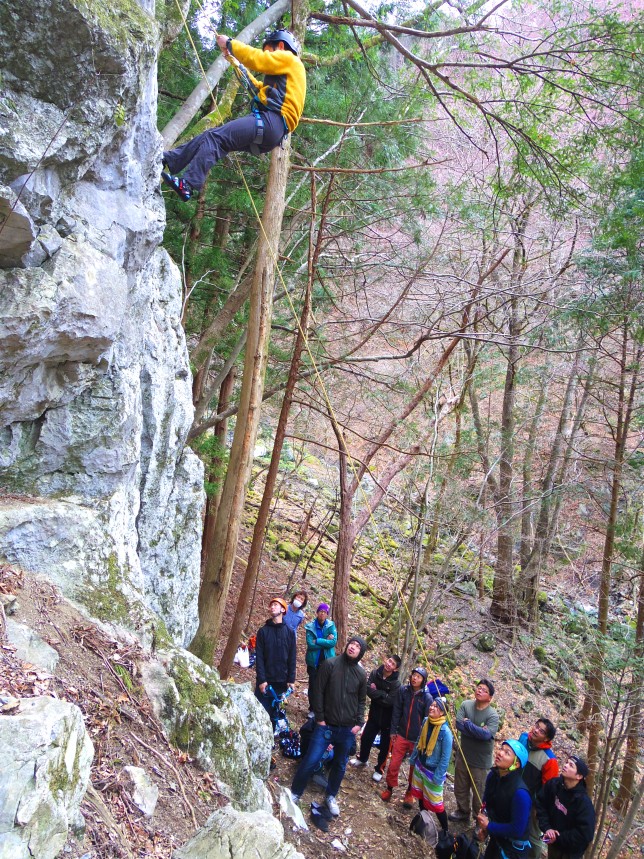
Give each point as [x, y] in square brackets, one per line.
[277, 106]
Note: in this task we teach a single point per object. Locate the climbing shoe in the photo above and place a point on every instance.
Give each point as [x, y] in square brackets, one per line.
[179, 186]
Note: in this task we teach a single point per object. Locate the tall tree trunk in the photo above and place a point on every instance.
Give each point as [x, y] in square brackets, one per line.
[216, 583]
[503, 606]
[632, 755]
[255, 553]
[531, 573]
[617, 845]
[344, 551]
[527, 488]
[212, 501]
[596, 674]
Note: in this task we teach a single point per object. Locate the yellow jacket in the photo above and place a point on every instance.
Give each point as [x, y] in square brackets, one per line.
[284, 88]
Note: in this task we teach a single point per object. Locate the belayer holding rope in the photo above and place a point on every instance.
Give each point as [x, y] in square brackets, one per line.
[277, 106]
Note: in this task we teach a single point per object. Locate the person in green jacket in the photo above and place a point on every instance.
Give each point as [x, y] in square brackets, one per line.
[321, 639]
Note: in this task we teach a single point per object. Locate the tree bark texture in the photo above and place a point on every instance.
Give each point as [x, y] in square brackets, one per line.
[216, 582]
[632, 756]
[212, 501]
[624, 412]
[257, 544]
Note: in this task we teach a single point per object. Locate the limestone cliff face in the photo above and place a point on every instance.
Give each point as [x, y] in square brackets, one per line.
[100, 493]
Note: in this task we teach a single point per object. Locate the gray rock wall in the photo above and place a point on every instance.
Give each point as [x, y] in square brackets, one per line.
[95, 399]
[45, 758]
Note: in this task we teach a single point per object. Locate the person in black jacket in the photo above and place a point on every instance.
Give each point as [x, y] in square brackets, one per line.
[382, 685]
[274, 657]
[409, 711]
[338, 697]
[505, 814]
[565, 813]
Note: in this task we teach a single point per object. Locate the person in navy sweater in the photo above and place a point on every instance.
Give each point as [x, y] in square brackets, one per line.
[275, 656]
[505, 814]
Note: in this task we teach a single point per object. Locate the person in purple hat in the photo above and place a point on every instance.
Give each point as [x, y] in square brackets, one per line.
[321, 639]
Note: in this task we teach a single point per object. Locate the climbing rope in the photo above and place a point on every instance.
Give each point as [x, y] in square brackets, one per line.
[389, 566]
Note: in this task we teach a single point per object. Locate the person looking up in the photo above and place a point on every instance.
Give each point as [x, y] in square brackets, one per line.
[321, 638]
[506, 807]
[477, 722]
[430, 760]
[339, 696]
[295, 612]
[275, 656]
[565, 812]
[382, 685]
[409, 711]
[541, 767]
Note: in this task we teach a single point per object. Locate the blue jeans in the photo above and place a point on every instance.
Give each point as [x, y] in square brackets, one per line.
[342, 740]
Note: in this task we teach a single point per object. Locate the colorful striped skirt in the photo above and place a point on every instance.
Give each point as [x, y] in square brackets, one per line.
[424, 788]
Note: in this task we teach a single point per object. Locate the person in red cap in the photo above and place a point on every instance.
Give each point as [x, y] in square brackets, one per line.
[274, 656]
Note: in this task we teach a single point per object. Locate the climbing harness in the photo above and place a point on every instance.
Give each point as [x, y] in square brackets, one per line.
[259, 131]
[279, 717]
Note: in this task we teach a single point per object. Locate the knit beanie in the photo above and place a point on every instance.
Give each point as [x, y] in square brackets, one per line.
[362, 644]
[582, 766]
[441, 702]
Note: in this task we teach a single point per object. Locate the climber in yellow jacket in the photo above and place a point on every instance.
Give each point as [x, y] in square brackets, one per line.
[277, 106]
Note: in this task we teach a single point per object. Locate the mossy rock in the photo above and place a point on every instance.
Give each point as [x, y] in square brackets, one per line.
[528, 705]
[445, 664]
[486, 643]
[541, 655]
[469, 588]
[563, 692]
[289, 551]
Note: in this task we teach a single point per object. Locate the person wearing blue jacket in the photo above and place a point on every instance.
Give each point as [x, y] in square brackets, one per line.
[505, 815]
[321, 639]
[430, 760]
[295, 612]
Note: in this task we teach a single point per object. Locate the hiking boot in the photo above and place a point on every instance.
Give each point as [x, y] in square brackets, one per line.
[179, 186]
[408, 799]
[356, 762]
[385, 796]
[458, 815]
[377, 775]
[296, 798]
[332, 805]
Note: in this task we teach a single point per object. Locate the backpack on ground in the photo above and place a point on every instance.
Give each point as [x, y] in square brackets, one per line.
[446, 846]
[424, 825]
[467, 847]
[290, 744]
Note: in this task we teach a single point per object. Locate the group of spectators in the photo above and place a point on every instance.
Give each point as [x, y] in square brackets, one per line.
[513, 793]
